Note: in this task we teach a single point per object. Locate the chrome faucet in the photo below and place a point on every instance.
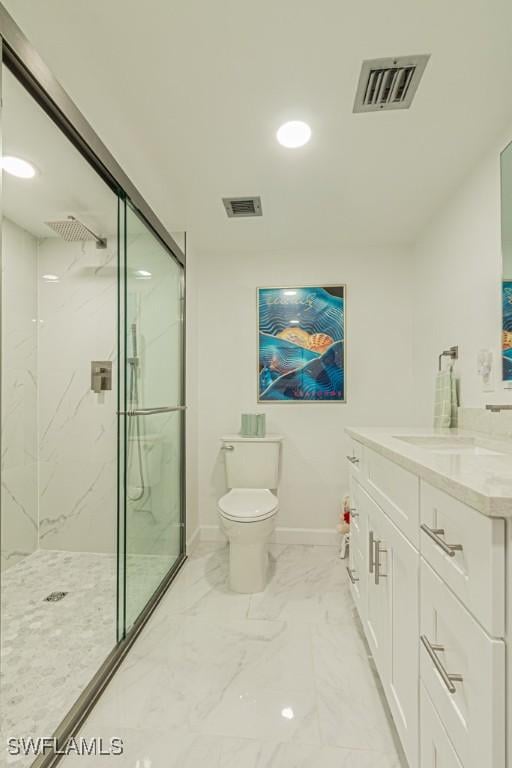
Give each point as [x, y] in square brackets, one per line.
[498, 408]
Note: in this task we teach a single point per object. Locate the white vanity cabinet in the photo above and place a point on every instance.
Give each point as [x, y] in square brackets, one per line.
[378, 609]
[386, 565]
[431, 594]
[463, 671]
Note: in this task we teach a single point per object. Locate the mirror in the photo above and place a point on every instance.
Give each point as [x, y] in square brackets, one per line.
[506, 240]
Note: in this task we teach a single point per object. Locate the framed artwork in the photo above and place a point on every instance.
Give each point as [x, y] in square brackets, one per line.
[301, 344]
[507, 330]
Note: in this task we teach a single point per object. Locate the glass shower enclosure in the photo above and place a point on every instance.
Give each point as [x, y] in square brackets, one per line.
[92, 504]
[151, 416]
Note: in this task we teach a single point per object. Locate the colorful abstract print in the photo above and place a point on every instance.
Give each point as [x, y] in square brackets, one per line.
[507, 330]
[302, 344]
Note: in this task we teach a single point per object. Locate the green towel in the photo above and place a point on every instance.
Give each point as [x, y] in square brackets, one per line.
[446, 400]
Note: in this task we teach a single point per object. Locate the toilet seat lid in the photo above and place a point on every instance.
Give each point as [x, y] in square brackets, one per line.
[248, 504]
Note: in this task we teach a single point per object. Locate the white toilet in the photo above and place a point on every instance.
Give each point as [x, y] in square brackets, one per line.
[248, 511]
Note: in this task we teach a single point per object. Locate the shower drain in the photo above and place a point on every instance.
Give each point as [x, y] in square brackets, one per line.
[54, 597]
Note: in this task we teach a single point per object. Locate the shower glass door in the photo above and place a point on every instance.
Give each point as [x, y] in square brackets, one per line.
[151, 415]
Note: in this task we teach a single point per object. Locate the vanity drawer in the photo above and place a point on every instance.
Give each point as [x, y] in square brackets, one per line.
[452, 643]
[476, 571]
[396, 490]
[436, 749]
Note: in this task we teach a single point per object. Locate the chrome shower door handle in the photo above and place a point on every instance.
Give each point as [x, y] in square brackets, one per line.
[151, 411]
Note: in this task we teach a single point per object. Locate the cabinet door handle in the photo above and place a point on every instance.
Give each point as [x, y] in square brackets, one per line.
[353, 459]
[353, 512]
[447, 677]
[378, 551]
[435, 534]
[370, 553]
[351, 576]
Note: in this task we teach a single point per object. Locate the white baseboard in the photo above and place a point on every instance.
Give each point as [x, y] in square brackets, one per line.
[312, 536]
[212, 533]
[193, 540]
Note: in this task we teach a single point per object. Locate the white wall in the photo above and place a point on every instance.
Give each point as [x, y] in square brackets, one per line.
[457, 286]
[19, 517]
[379, 370]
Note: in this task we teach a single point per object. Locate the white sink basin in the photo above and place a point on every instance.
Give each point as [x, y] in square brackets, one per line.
[448, 445]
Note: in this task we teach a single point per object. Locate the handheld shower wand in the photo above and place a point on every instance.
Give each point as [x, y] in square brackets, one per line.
[134, 428]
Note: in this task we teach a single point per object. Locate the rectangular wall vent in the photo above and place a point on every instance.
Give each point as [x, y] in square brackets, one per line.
[389, 83]
[236, 207]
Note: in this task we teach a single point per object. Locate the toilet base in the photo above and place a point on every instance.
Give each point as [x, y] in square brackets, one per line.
[248, 566]
[248, 554]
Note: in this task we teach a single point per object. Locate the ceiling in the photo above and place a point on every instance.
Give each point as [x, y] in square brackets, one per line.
[64, 183]
[188, 94]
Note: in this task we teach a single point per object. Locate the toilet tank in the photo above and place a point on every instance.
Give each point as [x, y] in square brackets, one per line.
[252, 462]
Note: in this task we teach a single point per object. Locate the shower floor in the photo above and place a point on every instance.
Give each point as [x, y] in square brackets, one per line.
[50, 650]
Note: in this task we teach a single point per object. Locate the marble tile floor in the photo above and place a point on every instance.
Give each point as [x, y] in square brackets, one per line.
[280, 679]
[50, 650]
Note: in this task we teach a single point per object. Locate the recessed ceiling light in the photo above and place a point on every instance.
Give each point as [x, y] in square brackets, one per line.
[16, 166]
[294, 134]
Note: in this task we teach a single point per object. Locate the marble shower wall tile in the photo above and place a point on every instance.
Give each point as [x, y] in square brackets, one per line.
[77, 428]
[19, 400]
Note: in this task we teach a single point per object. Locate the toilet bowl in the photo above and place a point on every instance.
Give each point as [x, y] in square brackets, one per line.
[248, 518]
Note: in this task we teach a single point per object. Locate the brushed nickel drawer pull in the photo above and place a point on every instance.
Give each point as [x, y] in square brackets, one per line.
[378, 552]
[371, 541]
[435, 534]
[448, 679]
[351, 576]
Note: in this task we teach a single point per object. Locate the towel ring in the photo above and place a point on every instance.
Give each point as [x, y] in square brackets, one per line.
[452, 353]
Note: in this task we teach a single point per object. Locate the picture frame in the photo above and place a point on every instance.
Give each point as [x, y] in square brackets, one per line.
[301, 345]
[507, 330]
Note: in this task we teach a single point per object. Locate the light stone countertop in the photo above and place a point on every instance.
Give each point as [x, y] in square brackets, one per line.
[482, 481]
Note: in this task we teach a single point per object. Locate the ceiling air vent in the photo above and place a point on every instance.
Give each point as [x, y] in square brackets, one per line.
[389, 83]
[236, 207]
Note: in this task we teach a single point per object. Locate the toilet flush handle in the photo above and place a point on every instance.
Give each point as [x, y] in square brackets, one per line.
[228, 448]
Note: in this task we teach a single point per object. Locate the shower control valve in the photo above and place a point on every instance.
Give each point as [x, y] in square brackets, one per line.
[101, 376]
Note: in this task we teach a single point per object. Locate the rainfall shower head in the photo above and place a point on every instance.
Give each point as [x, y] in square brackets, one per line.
[72, 230]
